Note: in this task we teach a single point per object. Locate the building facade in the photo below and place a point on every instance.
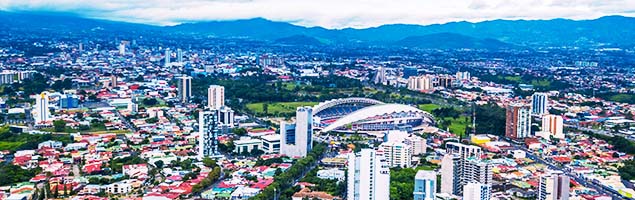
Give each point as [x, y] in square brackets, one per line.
[477, 191]
[296, 139]
[552, 124]
[554, 186]
[208, 128]
[215, 96]
[368, 176]
[539, 103]
[517, 122]
[184, 88]
[42, 113]
[397, 154]
[425, 185]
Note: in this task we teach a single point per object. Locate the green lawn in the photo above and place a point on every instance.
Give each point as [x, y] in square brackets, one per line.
[5, 145]
[278, 107]
[458, 125]
[428, 107]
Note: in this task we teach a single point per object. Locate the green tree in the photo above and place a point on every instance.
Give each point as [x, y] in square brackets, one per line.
[59, 125]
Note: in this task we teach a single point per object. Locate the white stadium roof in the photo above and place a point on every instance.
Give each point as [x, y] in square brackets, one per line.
[371, 111]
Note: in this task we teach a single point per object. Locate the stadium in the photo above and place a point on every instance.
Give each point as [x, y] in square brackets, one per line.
[368, 115]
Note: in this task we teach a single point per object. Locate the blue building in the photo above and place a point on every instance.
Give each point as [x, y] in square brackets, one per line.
[425, 185]
[69, 101]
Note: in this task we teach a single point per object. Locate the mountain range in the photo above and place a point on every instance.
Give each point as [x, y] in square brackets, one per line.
[609, 31]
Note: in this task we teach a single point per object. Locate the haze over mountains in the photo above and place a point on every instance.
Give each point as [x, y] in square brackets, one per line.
[610, 31]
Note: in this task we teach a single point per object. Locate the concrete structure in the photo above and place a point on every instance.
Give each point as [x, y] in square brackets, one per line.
[168, 54]
[68, 101]
[539, 103]
[462, 76]
[368, 176]
[247, 145]
[208, 133]
[517, 122]
[463, 150]
[417, 144]
[450, 174]
[215, 96]
[184, 88]
[271, 144]
[554, 186]
[397, 154]
[552, 124]
[225, 116]
[382, 117]
[333, 174]
[41, 113]
[461, 165]
[425, 185]
[477, 191]
[7, 77]
[296, 140]
[419, 83]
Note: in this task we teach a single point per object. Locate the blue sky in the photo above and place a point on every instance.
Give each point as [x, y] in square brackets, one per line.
[327, 13]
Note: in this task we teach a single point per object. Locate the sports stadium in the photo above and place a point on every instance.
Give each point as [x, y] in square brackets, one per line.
[368, 115]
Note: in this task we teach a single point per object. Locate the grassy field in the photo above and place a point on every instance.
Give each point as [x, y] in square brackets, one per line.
[5, 145]
[458, 125]
[428, 107]
[278, 107]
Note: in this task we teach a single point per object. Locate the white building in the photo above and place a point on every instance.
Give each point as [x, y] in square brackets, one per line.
[517, 121]
[121, 187]
[552, 124]
[464, 151]
[168, 54]
[477, 191]
[215, 96]
[247, 145]
[208, 134]
[461, 165]
[333, 174]
[42, 112]
[136, 171]
[450, 176]
[425, 185]
[397, 154]
[539, 103]
[417, 144]
[225, 116]
[271, 144]
[463, 76]
[296, 138]
[554, 186]
[184, 87]
[368, 176]
[419, 83]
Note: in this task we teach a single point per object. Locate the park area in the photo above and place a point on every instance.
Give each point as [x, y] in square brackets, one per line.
[277, 108]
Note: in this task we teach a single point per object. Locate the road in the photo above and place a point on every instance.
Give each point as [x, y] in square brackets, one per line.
[578, 178]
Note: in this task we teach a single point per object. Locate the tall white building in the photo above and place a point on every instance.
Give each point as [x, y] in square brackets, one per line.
[184, 88]
[122, 48]
[554, 186]
[477, 191]
[168, 54]
[463, 150]
[208, 133]
[425, 185]
[552, 124]
[539, 103]
[420, 83]
[225, 116]
[42, 112]
[296, 138]
[450, 173]
[179, 55]
[461, 76]
[461, 165]
[417, 144]
[215, 96]
[397, 154]
[368, 176]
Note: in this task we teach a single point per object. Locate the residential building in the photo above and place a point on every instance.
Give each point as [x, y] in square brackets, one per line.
[69, 101]
[168, 54]
[184, 88]
[425, 185]
[517, 122]
[41, 113]
[7, 77]
[332, 173]
[450, 173]
[539, 103]
[552, 124]
[397, 154]
[477, 191]
[296, 138]
[215, 96]
[554, 186]
[368, 176]
[225, 116]
[208, 128]
[463, 150]
[136, 170]
[419, 83]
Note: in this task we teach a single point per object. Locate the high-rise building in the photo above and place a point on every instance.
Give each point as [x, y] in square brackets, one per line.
[208, 128]
[552, 124]
[419, 83]
[225, 116]
[443, 80]
[539, 103]
[68, 101]
[7, 77]
[462, 76]
[42, 112]
[463, 150]
[215, 96]
[179, 55]
[168, 54]
[554, 186]
[184, 88]
[296, 138]
[368, 176]
[425, 185]
[517, 122]
[113, 81]
[81, 47]
[397, 154]
[122, 48]
[450, 173]
[476, 170]
[380, 77]
[477, 191]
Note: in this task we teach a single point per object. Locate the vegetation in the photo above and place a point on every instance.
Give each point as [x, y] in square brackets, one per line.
[540, 84]
[11, 174]
[333, 187]
[211, 178]
[277, 108]
[490, 119]
[286, 179]
[428, 107]
[23, 141]
[402, 181]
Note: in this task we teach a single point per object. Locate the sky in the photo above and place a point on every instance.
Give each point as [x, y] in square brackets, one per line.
[327, 13]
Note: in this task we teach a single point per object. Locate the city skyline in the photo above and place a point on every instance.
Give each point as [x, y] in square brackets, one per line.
[329, 14]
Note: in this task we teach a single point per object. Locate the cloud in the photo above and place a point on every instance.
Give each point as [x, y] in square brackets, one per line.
[327, 13]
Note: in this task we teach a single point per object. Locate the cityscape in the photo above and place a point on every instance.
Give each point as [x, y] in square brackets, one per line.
[98, 105]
